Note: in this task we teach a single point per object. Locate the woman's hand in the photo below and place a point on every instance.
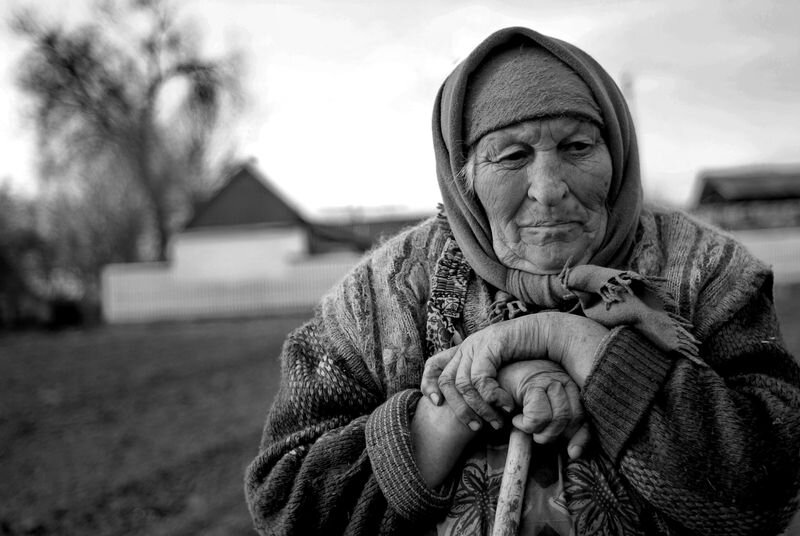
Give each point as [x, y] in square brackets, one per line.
[550, 403]
[467, 377]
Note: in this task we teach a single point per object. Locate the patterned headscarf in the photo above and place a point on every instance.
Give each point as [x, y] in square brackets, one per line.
[455, 126]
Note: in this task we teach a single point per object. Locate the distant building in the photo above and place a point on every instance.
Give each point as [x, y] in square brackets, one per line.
[750, 197]
[761, 207]
[247, 250]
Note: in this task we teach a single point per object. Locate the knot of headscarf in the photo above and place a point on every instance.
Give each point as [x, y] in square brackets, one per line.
[614, 298]
[456, 125]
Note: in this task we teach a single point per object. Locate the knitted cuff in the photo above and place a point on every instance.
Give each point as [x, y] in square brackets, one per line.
[628, 373]
[388, 436]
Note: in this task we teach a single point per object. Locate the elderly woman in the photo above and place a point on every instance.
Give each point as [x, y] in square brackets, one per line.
[639, 347]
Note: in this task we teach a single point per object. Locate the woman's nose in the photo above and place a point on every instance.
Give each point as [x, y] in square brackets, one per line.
[546, 184]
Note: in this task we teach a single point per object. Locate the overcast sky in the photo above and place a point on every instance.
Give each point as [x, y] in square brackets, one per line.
[341, 92]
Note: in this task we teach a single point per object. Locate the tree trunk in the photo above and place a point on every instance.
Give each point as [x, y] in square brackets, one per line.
[157, 202]
[162, 232]
[154, 191]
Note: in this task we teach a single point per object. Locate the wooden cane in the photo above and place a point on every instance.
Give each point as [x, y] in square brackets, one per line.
[512, 486]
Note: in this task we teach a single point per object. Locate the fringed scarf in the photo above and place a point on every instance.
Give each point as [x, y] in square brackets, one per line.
[601, 289]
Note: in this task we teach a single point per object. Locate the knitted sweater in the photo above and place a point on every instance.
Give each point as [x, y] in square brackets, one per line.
[708, 450]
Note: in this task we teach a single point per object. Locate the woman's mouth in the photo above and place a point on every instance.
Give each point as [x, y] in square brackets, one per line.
[554, 223]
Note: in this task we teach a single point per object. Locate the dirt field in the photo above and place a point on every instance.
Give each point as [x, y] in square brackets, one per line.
[134, 430]
[147, 429]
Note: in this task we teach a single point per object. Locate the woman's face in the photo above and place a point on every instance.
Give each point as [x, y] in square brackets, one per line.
[543, 184]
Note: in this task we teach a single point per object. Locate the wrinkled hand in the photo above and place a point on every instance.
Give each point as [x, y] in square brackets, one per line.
[550, 403]
[466, 375]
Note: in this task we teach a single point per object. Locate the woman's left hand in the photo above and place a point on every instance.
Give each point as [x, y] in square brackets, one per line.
[468, 380]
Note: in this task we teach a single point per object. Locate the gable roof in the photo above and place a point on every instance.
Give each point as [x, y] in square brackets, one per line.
[764, 183]
[246, 198]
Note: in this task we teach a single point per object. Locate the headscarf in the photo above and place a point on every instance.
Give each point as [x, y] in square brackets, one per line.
[467, 219]
[523, 82]
[599, 284]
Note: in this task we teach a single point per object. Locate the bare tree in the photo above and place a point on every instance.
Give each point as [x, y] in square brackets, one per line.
[128, 99]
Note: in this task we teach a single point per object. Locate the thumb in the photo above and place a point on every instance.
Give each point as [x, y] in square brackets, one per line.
[578, 443]
[536, 412]
[434, 366]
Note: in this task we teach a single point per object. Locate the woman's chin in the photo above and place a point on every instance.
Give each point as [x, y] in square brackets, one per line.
[543, 263]
[538, 267]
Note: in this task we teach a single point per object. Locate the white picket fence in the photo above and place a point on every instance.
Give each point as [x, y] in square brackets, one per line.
[152, 292]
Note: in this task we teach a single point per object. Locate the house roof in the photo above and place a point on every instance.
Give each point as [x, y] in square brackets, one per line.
[246, 198]
[762, 183]
[359, 235]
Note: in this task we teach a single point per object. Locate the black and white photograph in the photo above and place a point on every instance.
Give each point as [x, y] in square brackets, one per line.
[387, 268]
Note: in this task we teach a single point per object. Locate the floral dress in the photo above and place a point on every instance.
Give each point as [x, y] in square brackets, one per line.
[543, 512]
[581, 497]
[562, 497]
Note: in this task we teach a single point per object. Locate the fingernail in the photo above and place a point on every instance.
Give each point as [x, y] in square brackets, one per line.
[474, 426]
[574, 452]
[497, 425]
[507, 409]
[435, 399]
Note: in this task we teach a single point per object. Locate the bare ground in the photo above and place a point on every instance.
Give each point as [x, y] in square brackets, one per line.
[134, 429]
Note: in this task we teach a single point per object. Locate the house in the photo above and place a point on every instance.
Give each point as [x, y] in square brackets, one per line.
[750, 197]
[760, 206]
[247, 250]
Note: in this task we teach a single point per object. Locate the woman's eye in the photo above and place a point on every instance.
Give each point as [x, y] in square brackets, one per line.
[513, 157]
[579, 147]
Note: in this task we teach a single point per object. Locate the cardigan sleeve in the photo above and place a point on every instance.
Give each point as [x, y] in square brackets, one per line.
[335, 455]
[716, 450]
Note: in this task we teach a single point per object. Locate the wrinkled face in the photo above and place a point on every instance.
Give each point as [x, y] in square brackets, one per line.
[543, 184]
